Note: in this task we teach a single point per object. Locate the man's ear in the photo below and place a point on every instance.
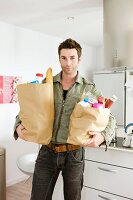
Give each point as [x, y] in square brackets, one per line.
[79, 60]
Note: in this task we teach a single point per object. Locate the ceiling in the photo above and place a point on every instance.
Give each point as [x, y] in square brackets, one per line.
[50, 17]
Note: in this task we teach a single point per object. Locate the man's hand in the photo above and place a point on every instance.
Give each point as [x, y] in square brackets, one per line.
[19, 131]
[95, 141]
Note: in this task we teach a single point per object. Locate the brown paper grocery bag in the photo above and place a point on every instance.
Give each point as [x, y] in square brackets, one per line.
[36, 103]
[85, 119]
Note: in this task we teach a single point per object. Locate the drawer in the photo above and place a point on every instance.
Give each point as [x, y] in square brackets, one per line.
[109, 178]
[92, 194]
[111, 156]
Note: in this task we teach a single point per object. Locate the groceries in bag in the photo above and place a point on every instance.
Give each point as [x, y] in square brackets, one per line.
[38, 79]
[36, 103]
[92, 117]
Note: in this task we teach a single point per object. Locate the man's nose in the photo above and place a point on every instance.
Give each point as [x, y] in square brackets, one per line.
[68, 62]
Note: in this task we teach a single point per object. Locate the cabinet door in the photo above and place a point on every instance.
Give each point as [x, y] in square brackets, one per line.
[109, 178]
[92, 194]
[123, 157]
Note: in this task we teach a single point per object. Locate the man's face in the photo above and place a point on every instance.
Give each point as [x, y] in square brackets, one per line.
[69, 61]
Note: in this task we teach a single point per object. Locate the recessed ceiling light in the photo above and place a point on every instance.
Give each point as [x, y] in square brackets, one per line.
[70, 18]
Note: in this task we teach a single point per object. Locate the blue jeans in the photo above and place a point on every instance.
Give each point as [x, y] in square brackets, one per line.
[47, 168]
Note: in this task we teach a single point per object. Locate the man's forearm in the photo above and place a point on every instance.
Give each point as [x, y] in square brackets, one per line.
[109, 131]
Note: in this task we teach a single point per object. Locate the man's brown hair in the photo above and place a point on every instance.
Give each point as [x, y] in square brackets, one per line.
[70, 44]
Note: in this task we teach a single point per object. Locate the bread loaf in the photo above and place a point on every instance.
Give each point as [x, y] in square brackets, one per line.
[49, 77]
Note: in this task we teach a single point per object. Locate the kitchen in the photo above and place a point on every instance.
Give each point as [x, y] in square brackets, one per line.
[18, 47]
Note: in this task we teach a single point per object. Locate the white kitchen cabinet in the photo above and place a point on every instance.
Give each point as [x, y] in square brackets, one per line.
[108, 174]
[92, 194]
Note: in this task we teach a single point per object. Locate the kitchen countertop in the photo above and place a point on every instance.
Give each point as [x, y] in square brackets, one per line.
[118, 145]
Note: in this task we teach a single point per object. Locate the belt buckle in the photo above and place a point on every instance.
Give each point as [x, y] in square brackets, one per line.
[56, 149]
[60, 148]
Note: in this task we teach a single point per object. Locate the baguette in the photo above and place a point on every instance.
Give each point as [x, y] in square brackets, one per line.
[49, 77]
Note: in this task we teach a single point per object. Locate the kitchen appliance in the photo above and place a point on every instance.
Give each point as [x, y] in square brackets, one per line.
[128, 140]
[113, 83]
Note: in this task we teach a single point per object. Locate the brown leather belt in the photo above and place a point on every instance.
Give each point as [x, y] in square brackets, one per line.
[57, 148]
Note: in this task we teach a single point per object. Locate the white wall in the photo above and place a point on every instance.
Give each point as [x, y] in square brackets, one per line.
[24, 52]
[92, 60]
[118, 33]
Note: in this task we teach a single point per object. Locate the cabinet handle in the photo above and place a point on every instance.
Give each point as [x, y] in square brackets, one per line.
[105, 198]
[108, 170]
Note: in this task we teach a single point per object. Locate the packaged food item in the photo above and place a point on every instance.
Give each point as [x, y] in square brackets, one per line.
[101, 100]
[38, 78]
[98, 105]
[85, 102]
[110, 101]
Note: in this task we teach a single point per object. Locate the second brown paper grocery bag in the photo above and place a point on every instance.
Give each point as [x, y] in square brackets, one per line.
[85, 119]
[36, 103]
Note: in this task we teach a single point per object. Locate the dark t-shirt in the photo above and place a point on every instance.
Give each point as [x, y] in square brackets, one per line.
[64, 93]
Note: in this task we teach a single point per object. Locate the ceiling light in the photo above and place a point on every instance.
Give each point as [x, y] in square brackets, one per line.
[70, 18]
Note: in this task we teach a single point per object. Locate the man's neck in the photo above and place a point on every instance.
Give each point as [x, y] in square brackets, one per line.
[68, 80]
[69, 77]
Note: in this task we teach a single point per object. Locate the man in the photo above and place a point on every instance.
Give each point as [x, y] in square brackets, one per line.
[58, 155]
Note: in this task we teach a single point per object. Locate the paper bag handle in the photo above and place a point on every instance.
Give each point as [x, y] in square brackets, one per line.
[49, 77]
